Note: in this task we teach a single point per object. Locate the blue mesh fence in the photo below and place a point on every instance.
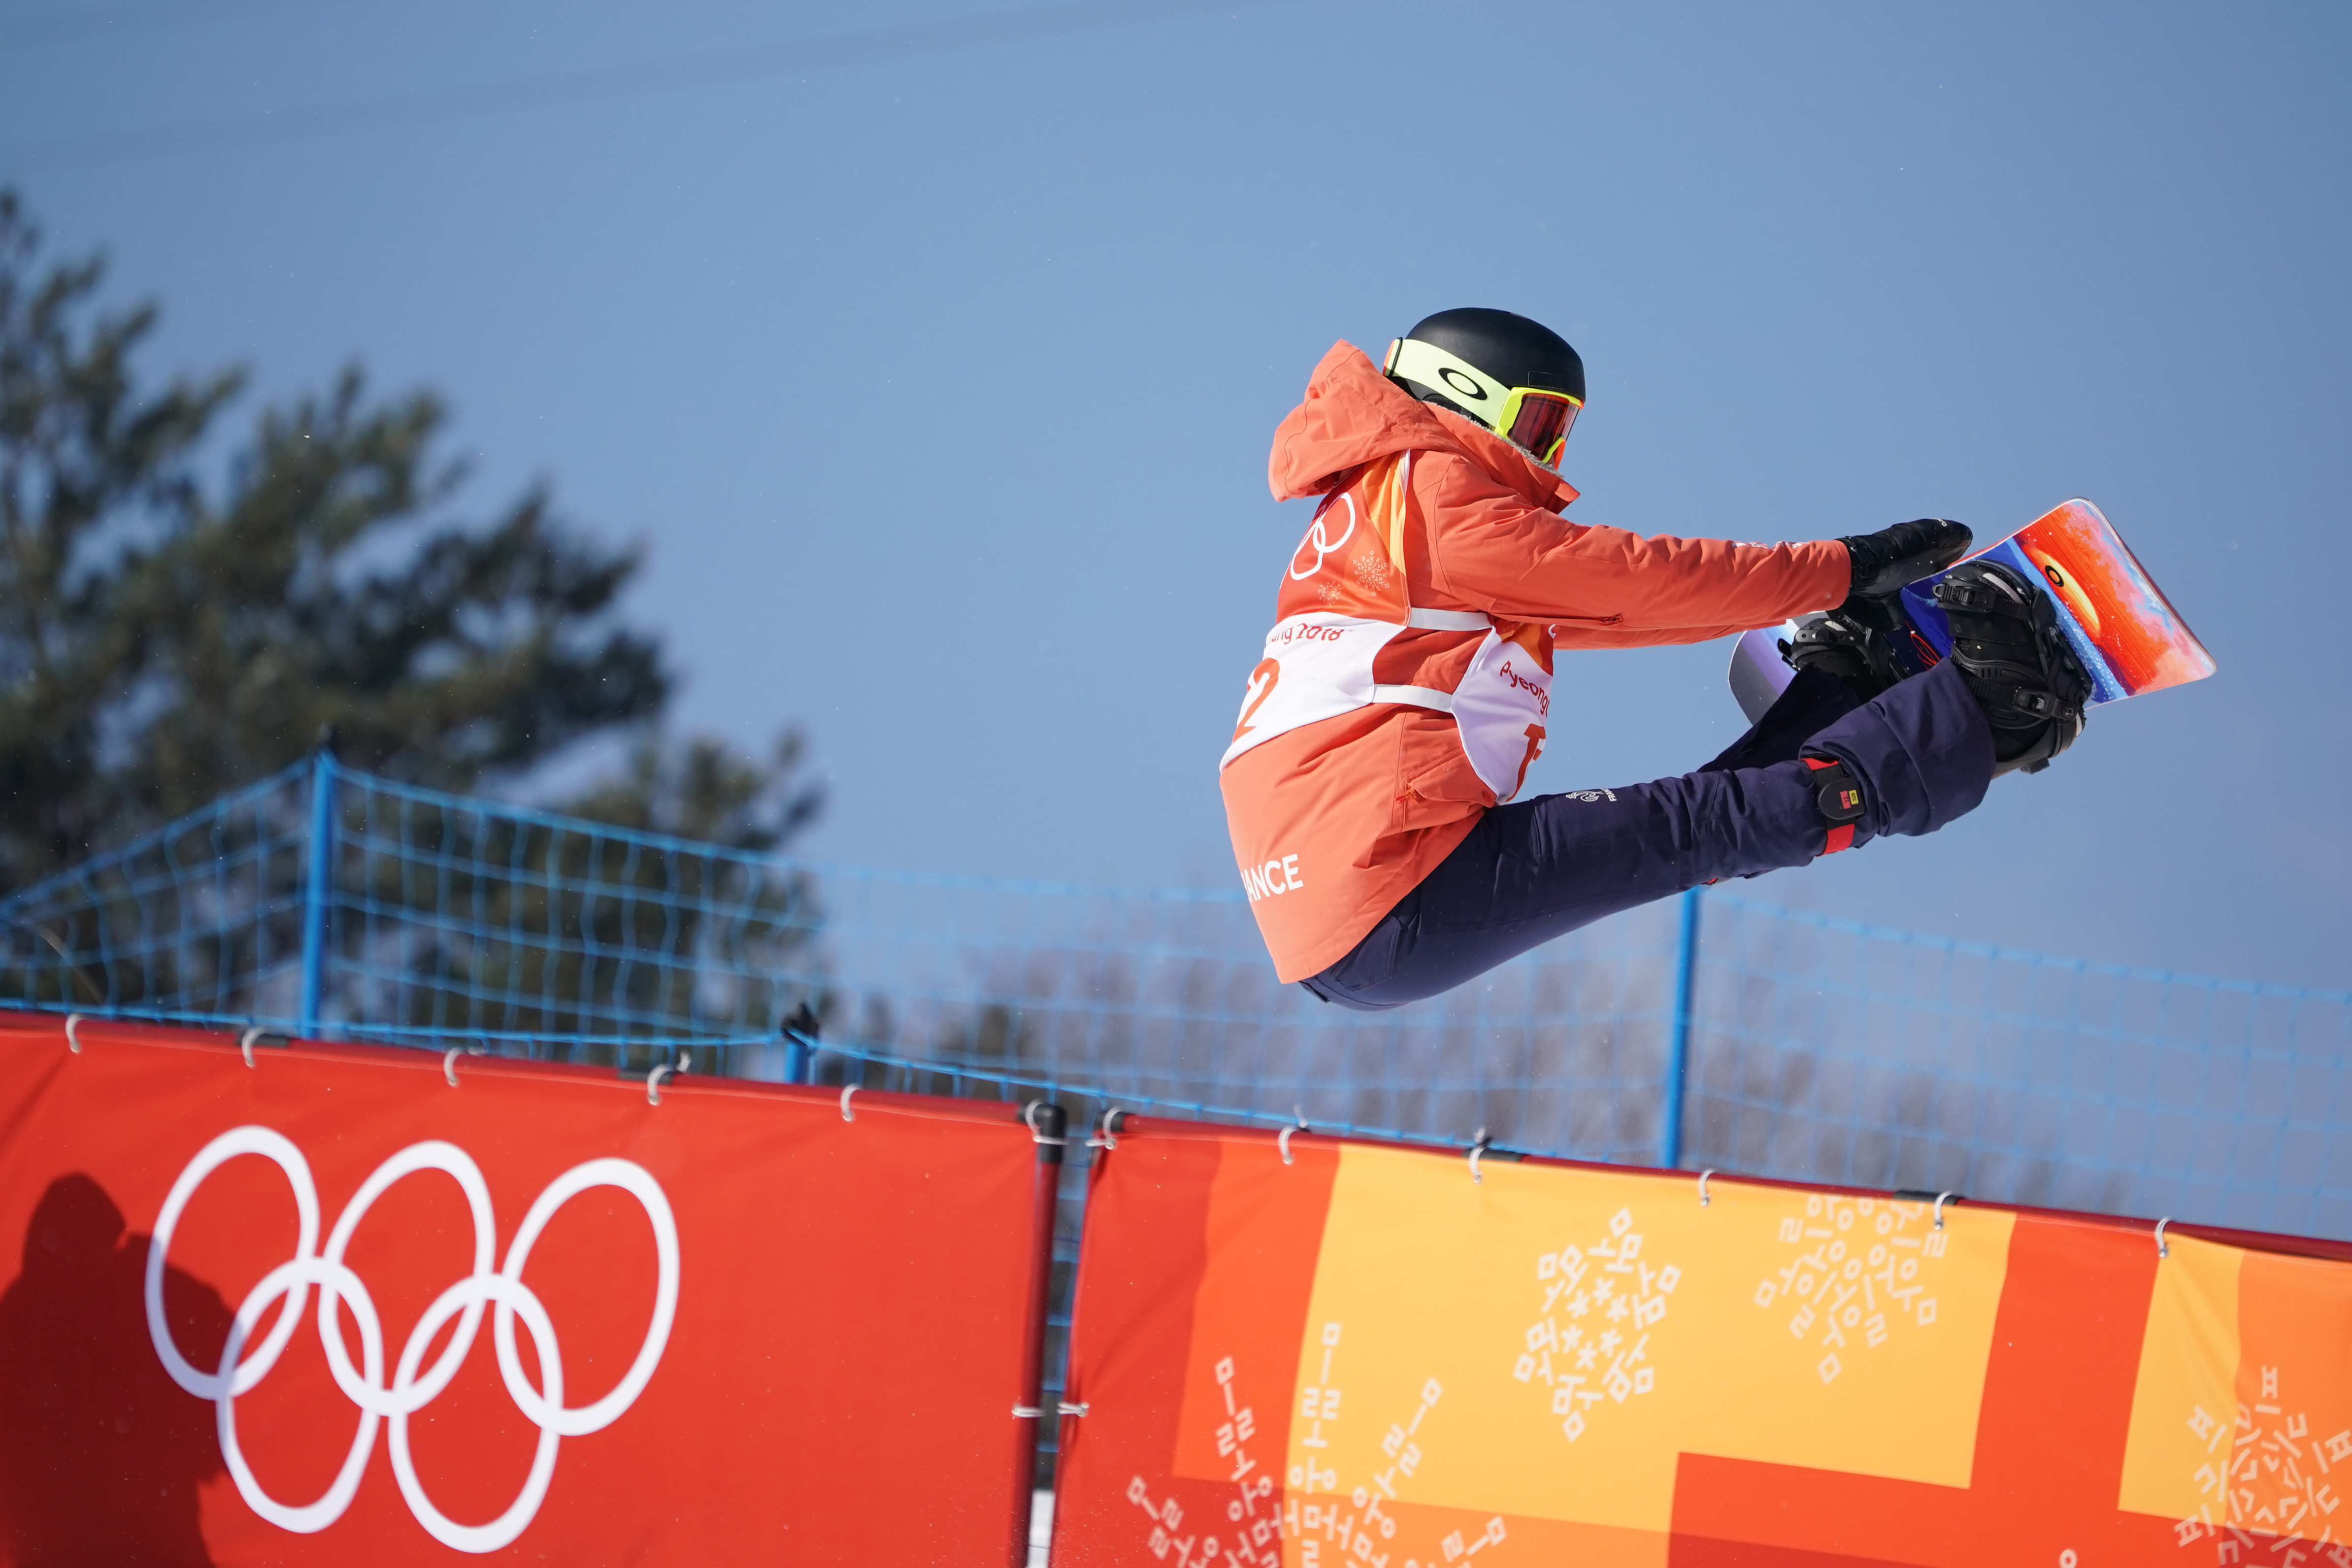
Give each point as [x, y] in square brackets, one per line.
[1817, 1049]
[1839, 1052]
[329, 903]
[196, 921]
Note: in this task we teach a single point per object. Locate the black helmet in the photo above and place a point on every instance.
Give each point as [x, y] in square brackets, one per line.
[1483, 365]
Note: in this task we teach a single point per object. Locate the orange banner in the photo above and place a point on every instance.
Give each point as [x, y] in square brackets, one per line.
[1341, 1355]
[335, 1306]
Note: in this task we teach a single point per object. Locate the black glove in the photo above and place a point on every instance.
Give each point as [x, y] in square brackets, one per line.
[1887, 560]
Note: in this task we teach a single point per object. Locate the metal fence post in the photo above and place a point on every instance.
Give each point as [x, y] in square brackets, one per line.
[318, 891]
[800, 1042]
[1670, 1136]
[1049, 1124]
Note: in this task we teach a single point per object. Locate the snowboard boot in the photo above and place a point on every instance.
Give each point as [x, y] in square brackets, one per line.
[1870, 643]
[1857, 642]
[2006, 641]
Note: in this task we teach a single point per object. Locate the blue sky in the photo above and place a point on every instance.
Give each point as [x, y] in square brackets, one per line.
[933, 351]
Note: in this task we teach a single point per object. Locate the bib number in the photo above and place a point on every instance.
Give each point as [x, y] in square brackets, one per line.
[1261, 685]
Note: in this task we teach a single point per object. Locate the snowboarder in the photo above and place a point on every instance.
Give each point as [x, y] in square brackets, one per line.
[1371, 780]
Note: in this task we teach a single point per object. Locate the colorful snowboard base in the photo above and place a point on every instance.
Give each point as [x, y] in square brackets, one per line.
[2120, 625]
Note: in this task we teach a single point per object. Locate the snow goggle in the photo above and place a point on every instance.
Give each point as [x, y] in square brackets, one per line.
[1532, 417]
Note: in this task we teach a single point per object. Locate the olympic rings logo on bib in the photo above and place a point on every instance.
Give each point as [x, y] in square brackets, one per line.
[413, 1387]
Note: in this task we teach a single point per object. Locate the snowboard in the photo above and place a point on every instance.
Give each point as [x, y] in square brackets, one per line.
[2127, 633]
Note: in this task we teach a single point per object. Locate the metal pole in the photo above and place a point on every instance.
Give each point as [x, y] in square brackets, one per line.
[1670, 1136]
[800, 1043]
[1050, 1125]
[320, 892]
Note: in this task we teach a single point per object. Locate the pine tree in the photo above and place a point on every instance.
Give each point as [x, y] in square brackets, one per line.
[173, 625]
[182, 615]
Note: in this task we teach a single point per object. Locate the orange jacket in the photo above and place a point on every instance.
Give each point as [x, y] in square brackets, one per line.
[1336, 819]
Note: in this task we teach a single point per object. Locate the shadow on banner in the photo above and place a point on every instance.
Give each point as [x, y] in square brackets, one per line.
[101, 1456]
[1312, 1352]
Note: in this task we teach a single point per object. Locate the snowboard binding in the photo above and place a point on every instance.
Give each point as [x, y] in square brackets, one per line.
[2006, 641]
[1868, 643]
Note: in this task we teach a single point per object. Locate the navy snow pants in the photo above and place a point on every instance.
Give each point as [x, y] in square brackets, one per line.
[1535, 870]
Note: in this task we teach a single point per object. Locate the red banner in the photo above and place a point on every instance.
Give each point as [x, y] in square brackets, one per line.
[1324, 1354]
[354, 1305]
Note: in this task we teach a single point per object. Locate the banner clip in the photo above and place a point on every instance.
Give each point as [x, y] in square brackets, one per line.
[1941, 1198]
[1283, 1142]
[1029, 1118]
[260, 1036]
[846, 1090]
[73, 1022]
[1477, 1146]
[653, 1082]
[2163, 1247]
[1026, 1412]
[1107, 1130]
[1064, 1407]
[449, 1064]
[1703, 1199]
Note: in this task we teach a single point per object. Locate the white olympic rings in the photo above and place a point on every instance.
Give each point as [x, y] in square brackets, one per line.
[1322, 543]
[413, 1387]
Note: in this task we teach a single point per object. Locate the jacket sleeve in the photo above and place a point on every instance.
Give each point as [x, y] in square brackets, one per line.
[1604, 587]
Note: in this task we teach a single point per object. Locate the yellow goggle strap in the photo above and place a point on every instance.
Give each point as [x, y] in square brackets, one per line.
[1481, 396]
[1486, 400]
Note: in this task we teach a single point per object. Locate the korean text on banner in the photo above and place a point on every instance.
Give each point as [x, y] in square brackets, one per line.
[564, 1323]
[1326, 1355]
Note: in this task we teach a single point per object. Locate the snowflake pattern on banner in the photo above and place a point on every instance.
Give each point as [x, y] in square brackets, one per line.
[2274, 1480]
[1358, 1532]
[1859, 1264]
[1255, 1527]
[1333, 1527]
[1601, 1304]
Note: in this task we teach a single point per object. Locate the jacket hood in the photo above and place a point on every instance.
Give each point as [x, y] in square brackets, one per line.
[1354, 414]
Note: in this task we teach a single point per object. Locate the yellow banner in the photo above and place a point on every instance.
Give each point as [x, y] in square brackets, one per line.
[1546, 1343]
[1532, 1364]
